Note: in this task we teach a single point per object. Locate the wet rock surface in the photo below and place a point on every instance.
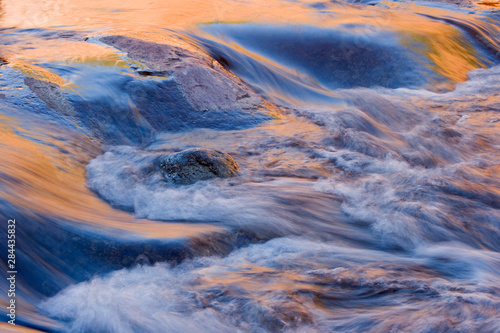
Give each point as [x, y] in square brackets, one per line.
[178, 91]
[202, 81]
[192, 165]
[51, 94]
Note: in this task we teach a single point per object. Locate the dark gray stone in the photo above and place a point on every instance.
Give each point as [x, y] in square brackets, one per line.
[191, 165]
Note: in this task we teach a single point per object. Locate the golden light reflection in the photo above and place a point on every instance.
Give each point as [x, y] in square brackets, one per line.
[488, 4]
[442, 44]
[44, 180]
[45, 175]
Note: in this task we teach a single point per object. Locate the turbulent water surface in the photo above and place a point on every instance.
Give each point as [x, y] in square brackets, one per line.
[368, 137]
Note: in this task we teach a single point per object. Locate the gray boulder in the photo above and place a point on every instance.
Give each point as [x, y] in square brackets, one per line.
[191, 165]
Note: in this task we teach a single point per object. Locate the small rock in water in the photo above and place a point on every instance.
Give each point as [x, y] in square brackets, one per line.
[191, 165]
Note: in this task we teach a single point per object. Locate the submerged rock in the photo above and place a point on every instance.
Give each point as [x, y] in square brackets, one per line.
[203, 82]
[191, 165]
[51, 94]
[177, 90]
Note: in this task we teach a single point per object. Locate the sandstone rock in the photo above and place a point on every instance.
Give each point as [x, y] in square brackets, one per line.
[51, 94]
[203, 82]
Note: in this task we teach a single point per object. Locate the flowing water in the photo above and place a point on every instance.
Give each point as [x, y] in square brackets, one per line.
[369, 196]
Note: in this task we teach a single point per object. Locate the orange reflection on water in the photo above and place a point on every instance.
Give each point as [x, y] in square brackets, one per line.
[134, 15]
[488, 4]
[443, 45]
[43, 180]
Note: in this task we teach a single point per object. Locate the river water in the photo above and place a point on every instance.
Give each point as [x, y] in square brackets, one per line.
[369, 194]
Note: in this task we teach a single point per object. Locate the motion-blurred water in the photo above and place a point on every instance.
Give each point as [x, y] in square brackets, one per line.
[369, 198]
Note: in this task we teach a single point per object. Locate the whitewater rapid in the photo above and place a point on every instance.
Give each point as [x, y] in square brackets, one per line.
[368, 138]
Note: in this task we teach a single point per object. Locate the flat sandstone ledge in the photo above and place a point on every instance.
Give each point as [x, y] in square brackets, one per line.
[203, 81]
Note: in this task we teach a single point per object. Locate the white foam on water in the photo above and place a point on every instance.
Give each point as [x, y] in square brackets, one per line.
[424, 180]
[128, 179]
[291, 284]
[433, 181]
